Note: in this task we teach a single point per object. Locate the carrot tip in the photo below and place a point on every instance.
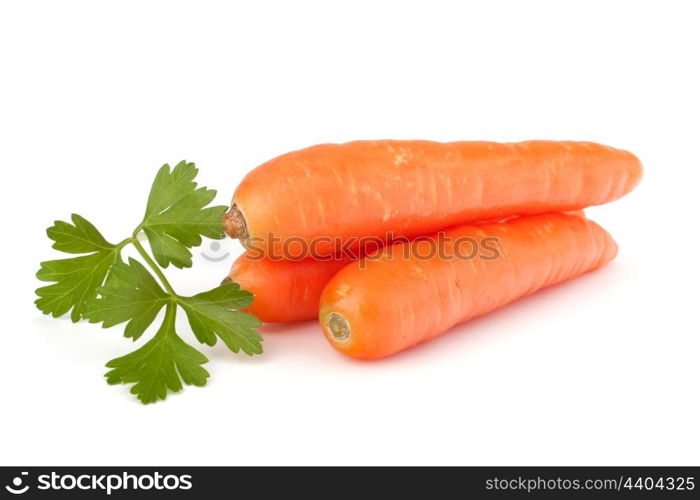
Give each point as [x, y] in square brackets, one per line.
[338, 327]
[235, 224]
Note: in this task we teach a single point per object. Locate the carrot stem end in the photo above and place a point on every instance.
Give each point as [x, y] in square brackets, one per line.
[235, 224]
[339, 327]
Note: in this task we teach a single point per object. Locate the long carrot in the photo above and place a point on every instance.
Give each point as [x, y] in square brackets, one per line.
[397, 302]
[284, 290]
[368, 188]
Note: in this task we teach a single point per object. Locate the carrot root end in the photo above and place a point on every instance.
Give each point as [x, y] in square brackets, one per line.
[235, 224]
[339, 327]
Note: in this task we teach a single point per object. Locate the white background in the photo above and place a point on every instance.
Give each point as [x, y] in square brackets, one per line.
[95, 96]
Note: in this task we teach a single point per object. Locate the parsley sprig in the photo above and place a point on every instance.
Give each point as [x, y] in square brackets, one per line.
[100, 287]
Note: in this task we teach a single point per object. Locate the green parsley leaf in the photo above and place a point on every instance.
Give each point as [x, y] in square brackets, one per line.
[130, 294]
[98, 286]
[79, 237]
[76, 279]
[212, 314]
[176, 217]
[162, 363]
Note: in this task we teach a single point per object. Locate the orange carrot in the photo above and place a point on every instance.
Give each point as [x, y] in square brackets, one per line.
[368, 188]
[397, 302]
[284, 290]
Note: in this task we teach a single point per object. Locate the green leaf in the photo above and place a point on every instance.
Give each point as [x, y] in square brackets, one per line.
[211, 314]
[98, 286]
[177, 215]
[130, 294]
[79, 237]
[169, 187]
[162, 363]
[76, 279]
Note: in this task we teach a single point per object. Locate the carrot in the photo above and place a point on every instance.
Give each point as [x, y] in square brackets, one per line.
[284, 290]
[367, 188]
[397, 302]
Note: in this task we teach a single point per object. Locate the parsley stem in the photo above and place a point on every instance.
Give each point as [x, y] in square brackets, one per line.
[153, 265]
[123, 243]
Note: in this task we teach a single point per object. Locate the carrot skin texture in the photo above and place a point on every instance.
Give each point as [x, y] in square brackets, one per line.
[284, 290]
[368, 188]
[396, 303]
